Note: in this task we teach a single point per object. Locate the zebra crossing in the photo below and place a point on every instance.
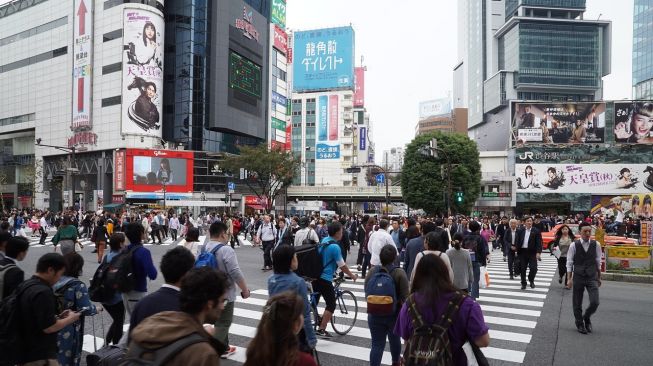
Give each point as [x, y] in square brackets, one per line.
[511, 314]
[34, 242]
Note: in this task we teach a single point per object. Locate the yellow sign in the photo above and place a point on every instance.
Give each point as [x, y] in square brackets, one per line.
[599, 235]
[629, 252]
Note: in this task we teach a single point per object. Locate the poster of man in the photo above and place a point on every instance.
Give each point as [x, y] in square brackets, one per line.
[633, 122]
[142, 73]
[558, 123]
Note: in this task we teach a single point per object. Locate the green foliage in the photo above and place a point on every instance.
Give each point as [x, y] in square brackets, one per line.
[269, 171]
[423, 184]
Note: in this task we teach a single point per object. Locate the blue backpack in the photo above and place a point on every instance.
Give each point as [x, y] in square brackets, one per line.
[381, 294]
[207, 259]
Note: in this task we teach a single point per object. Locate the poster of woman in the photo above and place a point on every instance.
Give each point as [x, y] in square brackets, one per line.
[633, 122]
[142, 72]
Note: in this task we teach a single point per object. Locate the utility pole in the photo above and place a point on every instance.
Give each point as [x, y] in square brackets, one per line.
[433, 152]
[72, 159]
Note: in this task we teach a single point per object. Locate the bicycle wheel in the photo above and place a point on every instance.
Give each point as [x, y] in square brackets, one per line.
[344, 317]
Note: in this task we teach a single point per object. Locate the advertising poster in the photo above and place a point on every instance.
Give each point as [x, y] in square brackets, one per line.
[362, 138]
[323, 110]
[436, 107]
[558, 123]
[149, 170]
[280, 40]
[82, 125]
[142, 82]
[288, 144]
[359, 87]
[646, 233]
[119, 174]
[633, 122]
[615, 179]
[632, 205]
[278, 13]
[324, 59]
[333, 117]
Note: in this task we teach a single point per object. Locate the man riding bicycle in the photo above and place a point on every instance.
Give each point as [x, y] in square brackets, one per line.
[331, 261]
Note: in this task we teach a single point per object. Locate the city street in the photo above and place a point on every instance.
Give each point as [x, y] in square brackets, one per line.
[532, 327]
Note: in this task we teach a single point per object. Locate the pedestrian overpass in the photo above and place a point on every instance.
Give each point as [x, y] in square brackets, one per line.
[344, 194]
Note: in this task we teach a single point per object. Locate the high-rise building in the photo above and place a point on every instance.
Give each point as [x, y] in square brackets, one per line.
[393, 159]
[643, 49]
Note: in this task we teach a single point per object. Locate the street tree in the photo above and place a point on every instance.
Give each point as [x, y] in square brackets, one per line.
[424, 178]
[269, 171]
[4, 179]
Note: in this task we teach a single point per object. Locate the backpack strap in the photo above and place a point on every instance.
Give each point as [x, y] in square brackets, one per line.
[217, 247]
[415, 316]
[452, 309]
[164, 354]
[4, 269]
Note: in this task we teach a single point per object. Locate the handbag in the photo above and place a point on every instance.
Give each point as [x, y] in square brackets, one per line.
[475, 356]
[556, 252]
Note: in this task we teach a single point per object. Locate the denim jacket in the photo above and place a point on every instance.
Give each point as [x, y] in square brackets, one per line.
[280, 282]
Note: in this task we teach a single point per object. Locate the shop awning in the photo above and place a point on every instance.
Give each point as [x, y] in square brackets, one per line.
[256, 207]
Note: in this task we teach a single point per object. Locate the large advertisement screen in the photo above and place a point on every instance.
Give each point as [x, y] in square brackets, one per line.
[150, 170]
[245, 76]
[632, 205]
[142, 70]
[558, 123]
[633, 122]
[436, 107]
[324, 59]
[584, 178]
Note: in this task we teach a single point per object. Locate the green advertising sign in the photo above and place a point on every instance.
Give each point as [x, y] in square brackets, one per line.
[278, 13]
[278, 124]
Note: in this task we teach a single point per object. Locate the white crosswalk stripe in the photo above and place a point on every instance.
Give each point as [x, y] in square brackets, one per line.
[510, 313]
[35, 241]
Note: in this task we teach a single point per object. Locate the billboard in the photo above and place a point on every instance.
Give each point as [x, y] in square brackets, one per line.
[558, 123]
[632, 205]
[278, 13]
[333, 117]
[142, 70]
[633, 122]
[280, 40]
[82, 74]
[149, 170]
[436, 107]
[359, 87]
[119, 173]
[324, 59]
[362, 138]
[327, 145]
[584, 178]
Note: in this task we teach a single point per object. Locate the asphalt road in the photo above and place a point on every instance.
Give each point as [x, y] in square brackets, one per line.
[532, 327]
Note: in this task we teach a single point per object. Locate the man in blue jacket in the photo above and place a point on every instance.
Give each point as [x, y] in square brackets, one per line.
[142, 266]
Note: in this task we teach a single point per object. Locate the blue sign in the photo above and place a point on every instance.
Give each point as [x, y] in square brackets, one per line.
[362, 138]
[279, 99]
[323, 126]
[323, 59]
[380, 178]
[231, 186]
[326, 151]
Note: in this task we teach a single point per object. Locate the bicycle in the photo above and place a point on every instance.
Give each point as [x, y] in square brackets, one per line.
[346, 312]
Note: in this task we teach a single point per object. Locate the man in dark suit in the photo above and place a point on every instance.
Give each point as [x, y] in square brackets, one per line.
[174, 265]
[529, 250]
[509, 239]
[15, 250]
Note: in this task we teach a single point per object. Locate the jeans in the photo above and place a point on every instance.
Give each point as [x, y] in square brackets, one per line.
[580, 283]
[173, 233]
[380, 328]
[366, 263]
[117, 314]
[223, 324]
[476, 267]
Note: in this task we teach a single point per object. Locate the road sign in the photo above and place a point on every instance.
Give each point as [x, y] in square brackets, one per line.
[380, 178]
[353, 170]
[231, 186]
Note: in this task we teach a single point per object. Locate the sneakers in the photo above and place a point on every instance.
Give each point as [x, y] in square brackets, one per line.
[322, 333]
[230, 351]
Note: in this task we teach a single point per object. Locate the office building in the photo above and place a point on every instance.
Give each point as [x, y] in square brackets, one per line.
[643, 49]
[393, 159]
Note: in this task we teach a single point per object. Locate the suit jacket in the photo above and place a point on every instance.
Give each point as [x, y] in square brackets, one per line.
[507, 237]
[12, 277]
[534, 241]
[286, 238]
[164, 299]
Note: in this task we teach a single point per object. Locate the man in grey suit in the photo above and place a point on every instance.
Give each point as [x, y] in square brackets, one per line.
[509, 245]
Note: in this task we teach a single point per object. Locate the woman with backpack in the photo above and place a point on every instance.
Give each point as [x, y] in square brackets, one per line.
[192, 241]
[66, 236]
[381, 326]
[276, 343]
[461, 264]
[432, 297]
[115, 307]
[72, 295]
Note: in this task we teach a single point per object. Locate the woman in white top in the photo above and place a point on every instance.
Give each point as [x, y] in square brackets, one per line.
[434, 244]
[192, 241]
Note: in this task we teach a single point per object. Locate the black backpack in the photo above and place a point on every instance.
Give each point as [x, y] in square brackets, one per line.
[472, 242]
[60, 294]
[429, 344]
[99, 290]
[162, 355]
[309, 260]
[120, 274]
[10, 324]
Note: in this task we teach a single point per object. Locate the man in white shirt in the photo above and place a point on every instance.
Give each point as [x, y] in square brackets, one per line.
[266, 236]
[378, 240]
[43, 229]
[305, 232]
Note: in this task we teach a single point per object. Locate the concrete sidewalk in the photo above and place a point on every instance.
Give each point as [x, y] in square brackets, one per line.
[623, 328]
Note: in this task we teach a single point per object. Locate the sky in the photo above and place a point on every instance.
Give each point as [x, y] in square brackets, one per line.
[410, 49]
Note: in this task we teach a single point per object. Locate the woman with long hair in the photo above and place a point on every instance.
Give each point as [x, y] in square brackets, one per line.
[192, 241]
[66, 235]
[276, 343]
[164, 174]
[563, 239]
[115, 307]
[100, 236]
[434, 243]
[461, 264]
[431, 295]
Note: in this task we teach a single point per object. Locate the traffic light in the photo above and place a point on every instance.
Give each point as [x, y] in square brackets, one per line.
[460, 197]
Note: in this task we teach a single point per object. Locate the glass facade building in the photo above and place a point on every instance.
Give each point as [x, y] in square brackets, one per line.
[643, 49]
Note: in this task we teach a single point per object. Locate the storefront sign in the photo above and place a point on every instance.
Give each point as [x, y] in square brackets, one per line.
[646, 234]
[280, 40]
[279, 99]
[119, 173]
[362, 138]
[246, 24]
[495, 194]
[82, 58]
[117, 198]
[278, 13]
[629, 252]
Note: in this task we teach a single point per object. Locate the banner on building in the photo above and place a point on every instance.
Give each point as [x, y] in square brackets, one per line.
[323, 117]
[279, 99]
[280, 40]
[119, 171]
[558, 123]
[362, 138]
[81, 124]
[327, 151]
[142, 69]
[633, 122]
[333, 117]
[288, 144]
[631, 205]
[359, 87]
[433, 108]
[584, 178]
[278, 13]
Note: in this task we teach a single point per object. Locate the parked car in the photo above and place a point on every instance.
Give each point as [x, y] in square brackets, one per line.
[549, 236]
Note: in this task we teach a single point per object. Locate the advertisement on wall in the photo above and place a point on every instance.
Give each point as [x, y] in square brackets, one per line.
[279, 99]
[631, 205]
[278, 13]
[558, 123]
[324, 59]
[280, 40]
[119, 173]
[288, 144]
[333, 117]
[359, 87]
[323, 115]
[151, 170]
[142, 68]
[362, 138]
[327, 119]
[584, 178]
[436, 107]
[633, 122]
[81, 124]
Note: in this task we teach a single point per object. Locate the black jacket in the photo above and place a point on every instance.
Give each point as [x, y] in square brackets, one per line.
[287, 237]
[507, 237]
[534, 241]
[12, 277]
[164, 299]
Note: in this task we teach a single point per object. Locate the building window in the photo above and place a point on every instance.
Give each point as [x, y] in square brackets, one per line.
[108, 69]
[17, 119]
[110, 36]
[107, 102]
[34, 31]
[111, 3]
[33, 60]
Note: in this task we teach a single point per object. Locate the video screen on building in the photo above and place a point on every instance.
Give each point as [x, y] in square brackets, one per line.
[157, 170]
[244, 75]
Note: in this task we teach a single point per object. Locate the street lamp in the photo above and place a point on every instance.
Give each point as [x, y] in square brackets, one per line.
[432, 151]
[70, 169]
